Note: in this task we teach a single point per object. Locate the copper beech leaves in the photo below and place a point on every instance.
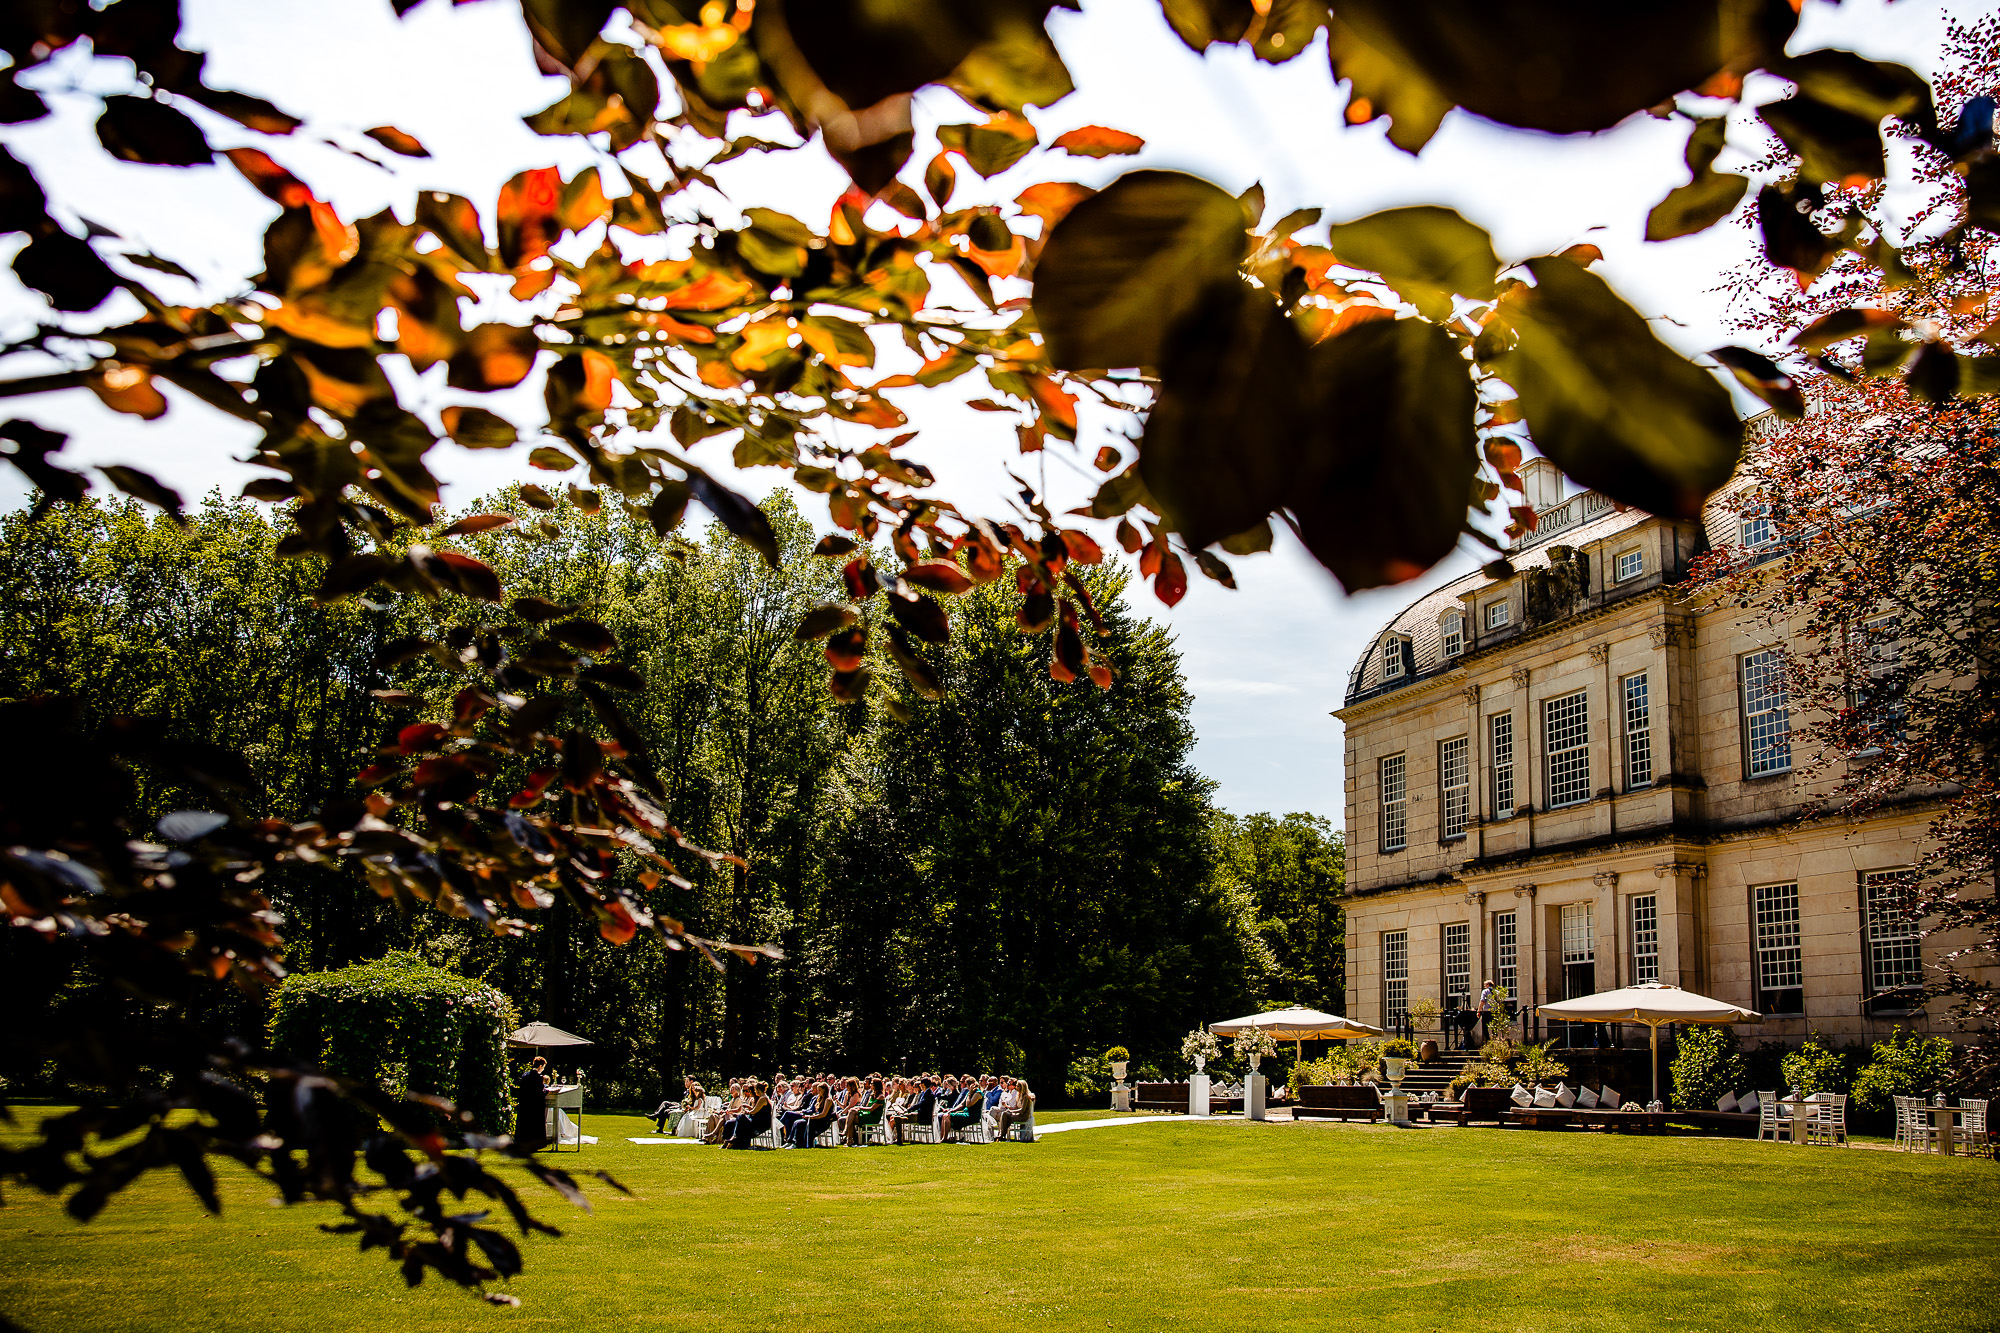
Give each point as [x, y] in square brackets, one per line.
[1098, 141]
[1707, 198]
[1126, 264]
[1608, 402]
[1426, 253]
[1762, 376]
[1381, 493]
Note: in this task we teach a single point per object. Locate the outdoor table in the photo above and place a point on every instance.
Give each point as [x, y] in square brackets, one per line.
[1945, 1121]
[1796, 1122]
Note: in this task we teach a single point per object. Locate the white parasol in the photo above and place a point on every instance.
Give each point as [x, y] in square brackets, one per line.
[1653, 1003]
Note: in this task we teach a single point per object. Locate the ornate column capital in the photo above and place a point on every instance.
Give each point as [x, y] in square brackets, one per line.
[1605, 879]
[1471, 693]
[1520, 678]
[1477, 897]
[1600, 653]
[1524, 890]
[1687, 869]
[1670, 635]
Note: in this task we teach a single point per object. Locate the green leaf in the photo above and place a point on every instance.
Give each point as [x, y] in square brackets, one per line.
[1870, 89]
[1016, 67]
[1125, 264]
[989, 150]
[1384, 82]
[1221, 442]
[1763, 377]
[1426, 253]
[1609, 403]
[1832, 144]
[1381, 493]
[1708, 197]
[1201, 23]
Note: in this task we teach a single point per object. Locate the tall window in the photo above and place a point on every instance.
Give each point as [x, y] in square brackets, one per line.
[1501, 734]
[1454, 787]
[1630, 565]
[1579, 946]
[1767, 714]
[1496, 615]
[1566, 737]
[1875, 691]
[1392, 659]
[1395, 805]
[1780, 962]
[1646, 938]
[1458, 963]
[1638, 733]
[1395, 975]
[1452, 630]
[1894, 948]
[1506, 961]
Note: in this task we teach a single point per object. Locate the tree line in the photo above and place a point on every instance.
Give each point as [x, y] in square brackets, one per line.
[1014, 875]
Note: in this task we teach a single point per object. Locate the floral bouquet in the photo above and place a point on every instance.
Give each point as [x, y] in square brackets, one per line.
[1199, 1045]
[1255, 1043]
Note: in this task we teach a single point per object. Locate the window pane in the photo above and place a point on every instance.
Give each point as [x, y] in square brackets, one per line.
[1395, 975]
[1505, 970]
[1454, 786]
[1392, 658]
[1502, 751]
[1767, 718]
[1458, 962]
[1579, 943]
[1780, 963]
[1566, 732]
[1638, 733]
[1454, 635]
[1645, 939]
[1496, 615]
[1630, 563]
[1395, 805]
[1895, 949]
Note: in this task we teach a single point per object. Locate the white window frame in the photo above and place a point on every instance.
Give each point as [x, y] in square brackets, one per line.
[1454, 786]
[1645, 938]
[1506, 952]
[1395, 976]
[1766, 713]
[1874, 684]
[1393, 773]
[1636, 691]
[1779, 946]
[1628, 565]
[1893, 933]
[1451, 633]
[1498, 614]
[1500, 749]
[1755, 530]
[1578, 938]
[1392, 659]
[1456, 947]
[1566, 743]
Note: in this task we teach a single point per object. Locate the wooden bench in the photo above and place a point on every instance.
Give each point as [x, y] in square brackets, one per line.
[1325, 1101]
[1172, 1097]
[1482, 1104]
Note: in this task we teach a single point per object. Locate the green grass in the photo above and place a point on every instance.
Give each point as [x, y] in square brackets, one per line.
[1160, 1227]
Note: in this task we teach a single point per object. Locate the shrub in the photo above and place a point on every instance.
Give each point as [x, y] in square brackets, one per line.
[1116, 1054]
[1813, 1068]
[406, 1026]
[1906, 1065]
[1088, 1076]
[1705, 1067]
[1424, 1013]
[1396, 1047]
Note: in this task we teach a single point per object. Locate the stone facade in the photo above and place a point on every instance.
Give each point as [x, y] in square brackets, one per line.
[1589, 787]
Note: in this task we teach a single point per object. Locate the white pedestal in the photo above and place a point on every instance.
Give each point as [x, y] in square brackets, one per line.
[1253, 1096]
[1121, 1097]
[1198, 1095]
[1396, 1107]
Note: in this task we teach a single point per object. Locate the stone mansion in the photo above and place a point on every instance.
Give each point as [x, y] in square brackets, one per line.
[1572, 779]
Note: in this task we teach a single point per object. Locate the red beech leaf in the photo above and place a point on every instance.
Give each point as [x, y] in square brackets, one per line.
[419, 736]
[939, 576]
[1171, 585]
[1099, 141]
[1082, 548]
[478, 523]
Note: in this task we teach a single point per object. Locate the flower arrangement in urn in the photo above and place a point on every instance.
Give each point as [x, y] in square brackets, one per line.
[1118, 1057]
[1253, 1044]
[1396, 1055]
[1199, 1047]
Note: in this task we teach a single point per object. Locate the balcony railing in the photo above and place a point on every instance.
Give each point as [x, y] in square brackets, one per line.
[1573, 512]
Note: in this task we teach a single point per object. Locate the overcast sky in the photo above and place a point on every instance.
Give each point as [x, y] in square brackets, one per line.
[1267, 663]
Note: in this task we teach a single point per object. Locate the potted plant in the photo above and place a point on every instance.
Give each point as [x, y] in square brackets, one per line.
[1118, 1057]
[1396, 1056]
[1254, 1044]
[1199, 1047]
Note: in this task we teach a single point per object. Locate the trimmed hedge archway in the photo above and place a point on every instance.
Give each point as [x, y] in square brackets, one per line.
[406, 1026]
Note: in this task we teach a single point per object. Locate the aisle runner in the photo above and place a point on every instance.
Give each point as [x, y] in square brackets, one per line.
[1041, 1131]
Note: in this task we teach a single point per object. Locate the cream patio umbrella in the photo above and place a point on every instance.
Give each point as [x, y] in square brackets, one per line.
[1653, 1003]
[1298, 1026]
[537, 1036]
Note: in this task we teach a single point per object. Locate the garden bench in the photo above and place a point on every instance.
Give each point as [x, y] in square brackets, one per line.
[1324, 1101]
[1483, 1104]
[1172, 1097]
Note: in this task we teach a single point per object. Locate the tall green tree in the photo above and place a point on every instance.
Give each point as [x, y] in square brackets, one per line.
[1294, 869]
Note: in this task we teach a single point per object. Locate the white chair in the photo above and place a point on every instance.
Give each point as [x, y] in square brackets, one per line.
[1973, 1124]
[1829, 1119]
[830, 1136]
[1769, 1121]
[1913, 1127]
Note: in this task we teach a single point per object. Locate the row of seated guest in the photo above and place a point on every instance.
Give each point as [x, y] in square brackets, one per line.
[804, 1108]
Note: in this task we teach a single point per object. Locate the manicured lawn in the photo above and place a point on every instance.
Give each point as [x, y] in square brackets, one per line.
[1161, 1227]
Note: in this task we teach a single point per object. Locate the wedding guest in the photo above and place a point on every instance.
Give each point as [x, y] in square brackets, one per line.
[753, 1121]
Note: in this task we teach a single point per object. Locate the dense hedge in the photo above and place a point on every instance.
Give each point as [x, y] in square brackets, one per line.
[407, 1026]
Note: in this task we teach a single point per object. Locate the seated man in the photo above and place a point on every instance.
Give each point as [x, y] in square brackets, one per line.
[992, 1088]
[692, 1098]
[918, 1108]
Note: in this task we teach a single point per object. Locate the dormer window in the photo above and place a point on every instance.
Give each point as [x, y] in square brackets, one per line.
[1630, 565]
[1757, 529]
[1451, 630]
[1392, 659]
[1496, 615]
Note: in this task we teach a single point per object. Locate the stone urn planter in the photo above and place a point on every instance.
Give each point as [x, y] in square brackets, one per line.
[1118, 1068]
[1393, 1066]
[1427, 1052]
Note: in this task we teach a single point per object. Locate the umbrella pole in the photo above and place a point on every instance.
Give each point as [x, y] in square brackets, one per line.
[1653, 1032]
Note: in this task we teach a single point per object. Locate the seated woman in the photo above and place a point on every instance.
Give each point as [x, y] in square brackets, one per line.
[672, 1111]
[690, 1119]
[786, 1098]
[818, 1115]
[949, 1100]
[719, 1125]
[867, 1114]
[1017, 1105]
[755, 1120]
[970, 1111]
[1008, 1110]
[896, 1107]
